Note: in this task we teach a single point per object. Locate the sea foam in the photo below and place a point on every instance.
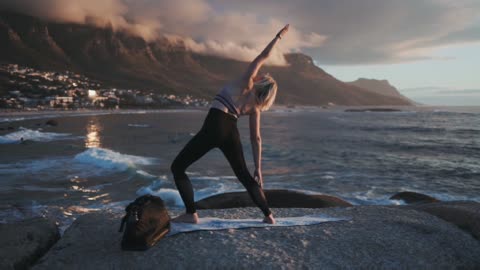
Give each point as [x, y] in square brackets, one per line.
[170, 196]
[108, 159]
[34, 135]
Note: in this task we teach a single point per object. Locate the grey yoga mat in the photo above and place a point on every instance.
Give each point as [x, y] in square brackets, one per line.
[209, 224]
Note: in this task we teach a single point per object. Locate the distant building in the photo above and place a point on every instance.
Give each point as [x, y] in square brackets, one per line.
[29, 102]
[61, 101]
[92, 94]
[15, 93]
[144, 100]
[106, 102]
[70, 92]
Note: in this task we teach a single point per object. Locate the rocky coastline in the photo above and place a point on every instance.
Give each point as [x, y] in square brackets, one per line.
[423, 234]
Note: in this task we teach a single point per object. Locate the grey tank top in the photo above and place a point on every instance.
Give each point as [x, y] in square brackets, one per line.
[224, 98]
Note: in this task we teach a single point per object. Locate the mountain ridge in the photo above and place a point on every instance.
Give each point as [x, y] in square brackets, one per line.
[122, 60]
[382, 87]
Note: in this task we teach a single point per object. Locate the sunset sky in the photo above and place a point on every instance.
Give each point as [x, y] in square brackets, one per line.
[429, 49]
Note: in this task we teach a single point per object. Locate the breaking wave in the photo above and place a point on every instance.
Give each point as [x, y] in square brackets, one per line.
[108, 159]
[34, 135]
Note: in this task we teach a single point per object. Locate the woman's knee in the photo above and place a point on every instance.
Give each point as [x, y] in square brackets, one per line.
[176, 168]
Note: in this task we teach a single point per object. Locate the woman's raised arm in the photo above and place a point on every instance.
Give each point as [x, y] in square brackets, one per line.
[257, 63]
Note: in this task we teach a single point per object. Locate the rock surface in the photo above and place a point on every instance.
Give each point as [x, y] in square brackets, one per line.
[22, 243]
[413, 197]
[277, 198]
[464, 214]
[376, 237]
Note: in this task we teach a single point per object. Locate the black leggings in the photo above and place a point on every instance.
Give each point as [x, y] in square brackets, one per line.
[218, 130]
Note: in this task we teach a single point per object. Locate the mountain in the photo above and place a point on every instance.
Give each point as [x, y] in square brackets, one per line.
[381, 87]
[122, 60]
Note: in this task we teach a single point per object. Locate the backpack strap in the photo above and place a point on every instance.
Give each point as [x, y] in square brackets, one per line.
[122, 224]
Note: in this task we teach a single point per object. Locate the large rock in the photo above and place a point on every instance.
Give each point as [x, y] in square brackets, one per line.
[376, 237]
[413, 197]
[277, 198]
[464, 214]
[22, 243]
[51, 122]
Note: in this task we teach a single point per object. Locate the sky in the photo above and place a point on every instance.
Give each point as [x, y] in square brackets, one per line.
[451, 79]
[428, 49]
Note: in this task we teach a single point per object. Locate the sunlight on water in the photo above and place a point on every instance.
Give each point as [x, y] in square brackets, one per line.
[98, 197]
[93, 133]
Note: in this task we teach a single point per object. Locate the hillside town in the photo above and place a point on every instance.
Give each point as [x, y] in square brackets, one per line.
[25, 88]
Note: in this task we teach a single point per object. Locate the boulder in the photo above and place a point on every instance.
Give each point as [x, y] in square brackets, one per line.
[464, 214]
[375, 237]
[22, 243]
[413, 197]
[52, 122]
[277, 198]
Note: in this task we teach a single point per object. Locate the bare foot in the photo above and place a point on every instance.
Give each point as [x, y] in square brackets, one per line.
[269, 219]
[186, 218]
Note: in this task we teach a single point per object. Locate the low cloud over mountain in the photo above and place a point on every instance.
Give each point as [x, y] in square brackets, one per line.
[120, 59]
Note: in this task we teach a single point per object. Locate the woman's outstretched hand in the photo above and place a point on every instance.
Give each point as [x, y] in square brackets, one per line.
[257, 175]
[283, 31]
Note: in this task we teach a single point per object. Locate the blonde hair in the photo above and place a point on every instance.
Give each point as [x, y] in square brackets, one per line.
[265, 92]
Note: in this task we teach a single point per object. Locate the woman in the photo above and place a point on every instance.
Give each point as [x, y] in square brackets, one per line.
[249, 95]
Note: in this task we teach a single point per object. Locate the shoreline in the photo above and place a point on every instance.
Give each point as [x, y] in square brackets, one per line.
[8, 116]
[285, 198]
[9, 112]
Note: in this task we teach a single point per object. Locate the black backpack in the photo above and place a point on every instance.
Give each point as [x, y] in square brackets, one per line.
[145, 222]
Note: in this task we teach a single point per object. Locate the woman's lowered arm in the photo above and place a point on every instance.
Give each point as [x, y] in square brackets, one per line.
[256, 141]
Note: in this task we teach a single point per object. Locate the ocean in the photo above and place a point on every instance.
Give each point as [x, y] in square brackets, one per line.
[104, 160]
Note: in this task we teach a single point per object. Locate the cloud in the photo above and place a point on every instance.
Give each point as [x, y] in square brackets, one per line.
[375, 31]
[331, 31]
[106, 12]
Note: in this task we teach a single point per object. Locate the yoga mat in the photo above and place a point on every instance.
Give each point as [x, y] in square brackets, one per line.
[211, 224]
